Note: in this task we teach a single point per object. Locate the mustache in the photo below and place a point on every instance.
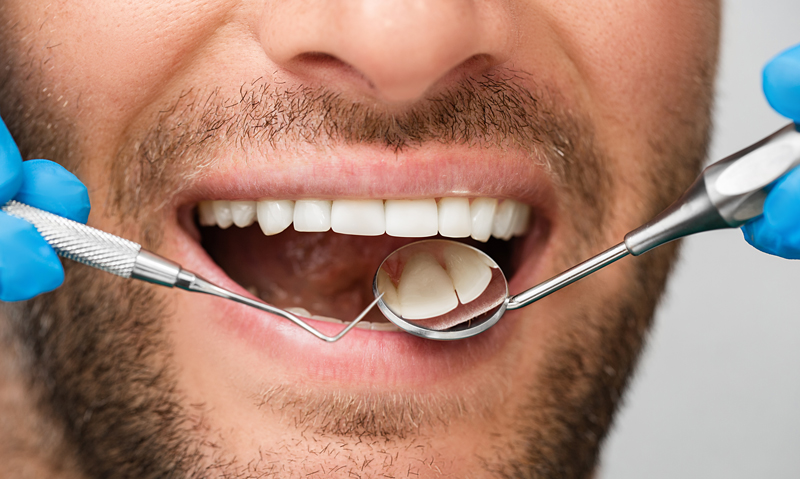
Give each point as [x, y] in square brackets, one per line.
[492, 108]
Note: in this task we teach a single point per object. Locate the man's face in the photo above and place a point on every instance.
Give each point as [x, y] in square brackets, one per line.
[594, 114]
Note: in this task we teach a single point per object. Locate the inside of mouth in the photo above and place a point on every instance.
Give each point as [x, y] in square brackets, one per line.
[320, 274]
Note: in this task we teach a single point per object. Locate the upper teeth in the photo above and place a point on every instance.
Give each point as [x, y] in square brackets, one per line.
[453, 217]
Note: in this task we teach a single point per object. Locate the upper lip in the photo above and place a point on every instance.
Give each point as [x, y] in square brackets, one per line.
[369, 173]
[360, 172]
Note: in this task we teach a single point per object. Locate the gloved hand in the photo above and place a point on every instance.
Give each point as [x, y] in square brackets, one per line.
[778, 230]
[28, 265]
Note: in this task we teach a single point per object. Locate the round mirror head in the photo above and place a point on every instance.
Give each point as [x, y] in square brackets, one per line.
[441, 289]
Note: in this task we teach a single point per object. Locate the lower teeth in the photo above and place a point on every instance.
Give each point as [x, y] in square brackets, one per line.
[387, 326]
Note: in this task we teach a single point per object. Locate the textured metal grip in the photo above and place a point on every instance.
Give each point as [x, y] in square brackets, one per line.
[79, 242]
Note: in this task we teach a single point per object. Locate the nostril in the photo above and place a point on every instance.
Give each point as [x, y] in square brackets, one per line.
[320, 63]
[319, 59]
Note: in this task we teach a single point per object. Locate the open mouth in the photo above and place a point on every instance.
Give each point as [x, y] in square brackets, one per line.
[317, 258]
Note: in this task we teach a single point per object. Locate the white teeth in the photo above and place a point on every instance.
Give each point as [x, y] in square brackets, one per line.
[222, 212]
[412, 218]
[425, 290]
[452, 217]
[274, 216]
[358, 217]
[504, 220]
[482, 211]
[455, 220]
[469, 272]
[312, 216]
[382, 326]
[299, 311]
[205, 213]
[521, 219]
[327, 319]
[243, 213]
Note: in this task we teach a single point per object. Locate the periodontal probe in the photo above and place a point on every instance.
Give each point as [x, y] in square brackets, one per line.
[127, 259]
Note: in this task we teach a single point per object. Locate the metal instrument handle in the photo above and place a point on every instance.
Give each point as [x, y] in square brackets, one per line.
[727, 194]
[79, 242]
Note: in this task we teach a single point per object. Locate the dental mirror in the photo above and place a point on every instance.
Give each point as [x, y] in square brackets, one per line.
[441, 289]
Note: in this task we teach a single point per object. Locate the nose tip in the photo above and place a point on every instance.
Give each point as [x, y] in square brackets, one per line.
[400, 48]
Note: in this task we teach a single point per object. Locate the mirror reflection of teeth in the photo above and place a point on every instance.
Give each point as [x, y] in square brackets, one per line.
[452, 217]
[426, 290]
[468, 271]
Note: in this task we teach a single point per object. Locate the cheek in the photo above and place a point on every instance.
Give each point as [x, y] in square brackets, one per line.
[109, 58]
[636, 57]
[645, 69]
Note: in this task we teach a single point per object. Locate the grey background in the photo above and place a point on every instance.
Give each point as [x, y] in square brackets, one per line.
[717, 394]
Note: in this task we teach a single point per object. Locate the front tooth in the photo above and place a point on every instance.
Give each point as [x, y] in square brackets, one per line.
[222, 211]
[482, 211]
[205, 213]
[425, 290]
[469, 272]
[412, 218]
[312, 216]
[358, 217]
[521, 219]
[243, 213]
[504, 219]
[455, 220]
[386, 287]
[274, 216]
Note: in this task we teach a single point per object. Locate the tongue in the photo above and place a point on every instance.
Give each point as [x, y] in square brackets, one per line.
[328, 274]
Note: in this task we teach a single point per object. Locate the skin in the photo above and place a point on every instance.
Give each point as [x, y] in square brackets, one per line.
[136, 381]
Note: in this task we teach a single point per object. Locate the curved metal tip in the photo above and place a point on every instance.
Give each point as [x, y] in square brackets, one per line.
[191, 282]
[331, 339]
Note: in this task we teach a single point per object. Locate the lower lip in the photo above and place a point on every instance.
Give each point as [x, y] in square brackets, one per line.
[360, 358]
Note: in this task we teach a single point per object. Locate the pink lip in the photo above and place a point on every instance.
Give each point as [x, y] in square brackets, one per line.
[362, 358]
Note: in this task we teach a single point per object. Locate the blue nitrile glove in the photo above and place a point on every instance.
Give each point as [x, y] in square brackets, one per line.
[778, 230]
[28, 265]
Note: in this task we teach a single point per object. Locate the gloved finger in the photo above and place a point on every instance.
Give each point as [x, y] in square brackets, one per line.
[10, 165]
[49, 186]
[777, 231]
[28, 265]
[782, 83]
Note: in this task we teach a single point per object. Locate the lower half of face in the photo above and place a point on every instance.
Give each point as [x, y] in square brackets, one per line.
[293, 191]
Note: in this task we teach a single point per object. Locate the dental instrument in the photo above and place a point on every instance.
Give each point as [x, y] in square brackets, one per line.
[128, 259]
[727, 194]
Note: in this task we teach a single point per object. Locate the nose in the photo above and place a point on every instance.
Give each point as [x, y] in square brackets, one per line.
[396, 49]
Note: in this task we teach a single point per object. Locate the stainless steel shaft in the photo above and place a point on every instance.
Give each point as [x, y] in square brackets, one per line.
[568, 277]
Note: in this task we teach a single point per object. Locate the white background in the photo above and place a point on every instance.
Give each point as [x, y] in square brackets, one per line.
[717, 394]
